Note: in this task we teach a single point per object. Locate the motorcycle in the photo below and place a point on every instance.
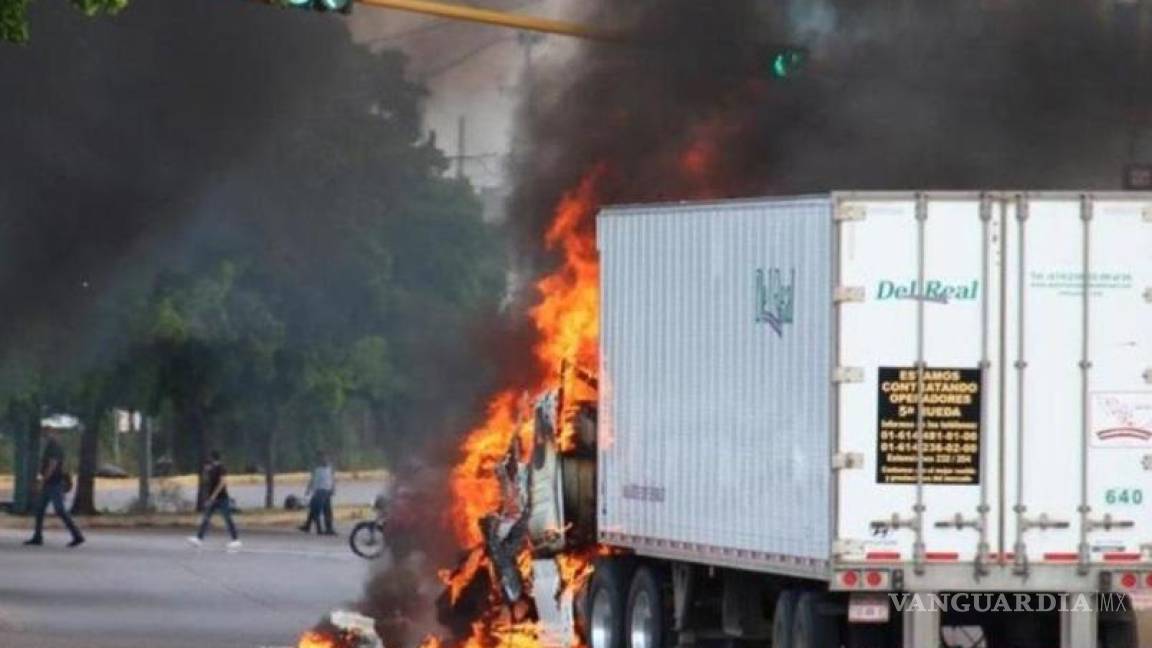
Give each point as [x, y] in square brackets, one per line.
[392, 529]
[367, 539]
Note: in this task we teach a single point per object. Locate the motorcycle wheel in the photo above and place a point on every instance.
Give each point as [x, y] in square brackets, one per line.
[367, 540]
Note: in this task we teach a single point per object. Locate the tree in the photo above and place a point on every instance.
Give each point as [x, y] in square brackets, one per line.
[281, 265]
[14, 15]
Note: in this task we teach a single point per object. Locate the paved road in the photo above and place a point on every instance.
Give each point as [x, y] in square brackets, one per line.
[149, 589]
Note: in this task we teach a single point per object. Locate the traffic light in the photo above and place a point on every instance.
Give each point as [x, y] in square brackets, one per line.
[341, 6]
[787, 62]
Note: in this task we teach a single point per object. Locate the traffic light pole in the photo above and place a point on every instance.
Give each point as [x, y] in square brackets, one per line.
[497, 18]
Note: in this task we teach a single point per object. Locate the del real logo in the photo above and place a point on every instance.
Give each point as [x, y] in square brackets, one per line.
[933, 291]
[775, 298]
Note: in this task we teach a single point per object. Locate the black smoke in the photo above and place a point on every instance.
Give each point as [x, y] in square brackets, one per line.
[901, 95]
[114, 133]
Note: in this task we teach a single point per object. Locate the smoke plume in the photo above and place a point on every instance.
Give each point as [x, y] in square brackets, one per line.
[901, 95]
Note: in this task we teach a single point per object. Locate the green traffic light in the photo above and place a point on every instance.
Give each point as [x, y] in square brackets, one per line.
[336, 5]
[786, 63]
[298, 4]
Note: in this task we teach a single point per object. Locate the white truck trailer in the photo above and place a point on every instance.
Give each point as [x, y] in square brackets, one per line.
[809, 404]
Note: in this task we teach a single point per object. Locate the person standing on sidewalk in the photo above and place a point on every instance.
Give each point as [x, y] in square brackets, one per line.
[218, 500]
[322, 485]
[53, 485]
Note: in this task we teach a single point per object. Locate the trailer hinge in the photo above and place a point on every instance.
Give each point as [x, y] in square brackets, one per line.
[1148, 214]
[855, 294]
[847, 460]
[1107, 523]
[850, 213]
[853, 375]
[1148, 376]
[1042, 522]
[959, 522]
[1147, 462]
[1148, 295]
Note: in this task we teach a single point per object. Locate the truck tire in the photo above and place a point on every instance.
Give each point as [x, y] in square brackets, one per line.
[648, 622]
[1120, 629]
[810, 629]
[783, 618]
[868, 635]
[606, 603]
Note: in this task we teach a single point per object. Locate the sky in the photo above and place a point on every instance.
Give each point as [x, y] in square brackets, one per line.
[472, 71]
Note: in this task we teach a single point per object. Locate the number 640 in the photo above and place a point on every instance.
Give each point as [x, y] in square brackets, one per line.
[1133, 496]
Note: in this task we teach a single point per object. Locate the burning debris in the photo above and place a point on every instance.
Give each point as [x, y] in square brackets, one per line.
[527, 565]
[342, 629]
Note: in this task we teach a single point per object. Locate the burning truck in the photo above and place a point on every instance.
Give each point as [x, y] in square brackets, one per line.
[777, 446]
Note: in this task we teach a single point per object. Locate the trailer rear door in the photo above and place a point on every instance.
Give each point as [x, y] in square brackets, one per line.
[1034, 438]
[1079, 420]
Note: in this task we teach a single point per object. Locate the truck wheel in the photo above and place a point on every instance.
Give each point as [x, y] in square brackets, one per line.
[606, 606]
[809, 629]
[647, 618]
[868, 635]
[1120, 629]
[783, 618]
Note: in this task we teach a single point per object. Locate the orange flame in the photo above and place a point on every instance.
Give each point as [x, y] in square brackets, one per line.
[458, 580]
[568, 315]
[567, 322]
[313, 639]
[566, 319]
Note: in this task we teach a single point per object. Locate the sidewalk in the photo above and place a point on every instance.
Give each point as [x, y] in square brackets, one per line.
[116, 497]
[251, 519]
[189, 481]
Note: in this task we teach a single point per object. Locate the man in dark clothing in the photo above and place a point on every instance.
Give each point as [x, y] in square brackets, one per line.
[52, 489]
[215, 477]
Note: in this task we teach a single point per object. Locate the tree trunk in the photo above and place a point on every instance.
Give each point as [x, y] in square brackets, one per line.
[194, 428]
[85, 501]
[270, 470]
[27, 458]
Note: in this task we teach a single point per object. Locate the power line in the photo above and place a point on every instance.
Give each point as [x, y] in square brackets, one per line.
[463, 58]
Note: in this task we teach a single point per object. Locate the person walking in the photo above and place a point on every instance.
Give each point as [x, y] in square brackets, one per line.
[322, 486]
[218, 501]
[54, 483]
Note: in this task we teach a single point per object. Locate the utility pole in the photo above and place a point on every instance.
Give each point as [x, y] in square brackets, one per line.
[461, 146]
[527, 41]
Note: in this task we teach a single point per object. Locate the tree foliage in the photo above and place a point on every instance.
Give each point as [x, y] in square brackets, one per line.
[14, 15]
[316, 279]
